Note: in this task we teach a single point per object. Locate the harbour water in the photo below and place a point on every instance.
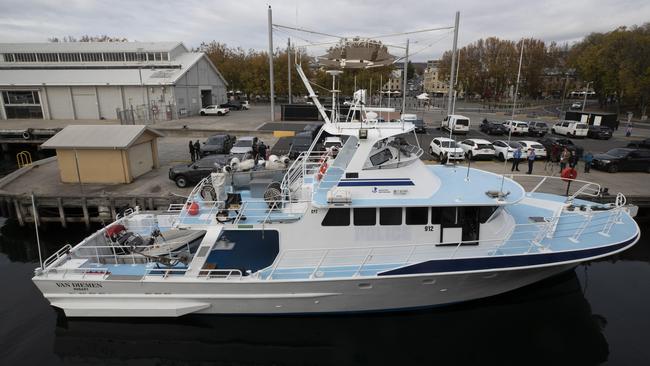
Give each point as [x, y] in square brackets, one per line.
[596, 314]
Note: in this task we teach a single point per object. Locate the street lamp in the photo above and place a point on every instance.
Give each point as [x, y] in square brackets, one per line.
[585, 100]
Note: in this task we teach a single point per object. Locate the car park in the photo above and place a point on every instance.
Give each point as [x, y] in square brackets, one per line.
[540, 150]
[214, 110]
[445, 149]
[516, 127]
[185, 175]
[493, 127]
[623, 159]
[244, 145]
[217, 144]
[642, 144]
[456, 123]
[570, 128]
[552, 144]
[599, 132]
[504, 150]
[537, 128]
[477, 149]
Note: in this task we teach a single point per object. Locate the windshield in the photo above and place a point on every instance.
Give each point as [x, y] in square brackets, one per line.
[541, 124]
[537, 146]
[484, 146]
[462, 122]
[244, 143]
[448, 144]
[619, 153]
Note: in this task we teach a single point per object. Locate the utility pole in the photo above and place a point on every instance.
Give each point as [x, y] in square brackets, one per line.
[289, 66]
[586, 91]
[404, 77]
[452, 74]
[271, 85]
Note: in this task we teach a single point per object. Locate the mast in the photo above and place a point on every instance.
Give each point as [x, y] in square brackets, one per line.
[404, 77]
[289, 66]
[271, 85]
[452, 74]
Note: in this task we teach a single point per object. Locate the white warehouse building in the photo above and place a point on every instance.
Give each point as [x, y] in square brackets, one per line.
[91, 80]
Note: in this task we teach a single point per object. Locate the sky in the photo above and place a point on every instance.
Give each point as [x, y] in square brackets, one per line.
[243, 23]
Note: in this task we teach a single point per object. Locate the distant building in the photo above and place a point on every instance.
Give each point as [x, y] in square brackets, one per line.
[91, 80]
[433, 83]
[394, 83]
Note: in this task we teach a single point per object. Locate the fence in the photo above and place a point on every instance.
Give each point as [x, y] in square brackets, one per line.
[149, 113]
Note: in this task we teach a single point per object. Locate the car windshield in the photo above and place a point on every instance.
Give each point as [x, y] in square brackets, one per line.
[484, 146]
[448, 144]
[215, 140]
[462, 122]
[537, 146]
[244, 143]
[619, 153]
[541, 124]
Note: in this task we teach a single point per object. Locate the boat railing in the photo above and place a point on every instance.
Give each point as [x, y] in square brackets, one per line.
[306, 164]
[572, 188]
[208, 274]
[522, 239]
[64, 250]
[95, 272]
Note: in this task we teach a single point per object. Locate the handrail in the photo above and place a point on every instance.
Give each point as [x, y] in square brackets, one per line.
[587, 188]
[58, 254]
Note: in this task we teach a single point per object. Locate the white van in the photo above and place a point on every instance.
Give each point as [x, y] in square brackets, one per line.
[456, 123]
[571, 128]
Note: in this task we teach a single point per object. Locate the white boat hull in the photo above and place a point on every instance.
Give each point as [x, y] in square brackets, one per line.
[172, 297]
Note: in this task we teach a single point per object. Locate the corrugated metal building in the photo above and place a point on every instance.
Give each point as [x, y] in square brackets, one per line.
[91, 80]
[109, 154]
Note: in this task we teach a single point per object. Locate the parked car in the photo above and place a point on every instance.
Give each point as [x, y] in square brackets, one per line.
[540, 150]
[301, 142]
[551, 143]
[504, 150]
[599, 132]
[443, 147]
[232, 105]
[643, 144]
[477, 149]
[214, 110]
[516, 127]
[244, 145]
[576, 105]
[570, 128]
[245, 105]
[456, 123]
[492, 127]
[537, 128]
[417, 122]
[623, 159]
[217, 144]
[186, 174]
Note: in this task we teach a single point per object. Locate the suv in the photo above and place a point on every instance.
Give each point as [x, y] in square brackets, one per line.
[443, 147]
[599, 132]
[213, 109]
[621, 159]
[536, 128]
[232, 105]
[492, 127]
[516, 127]
[456, 123]
[643, 144]
[244, 145]
[554, 147]
[571, 128]
[186, 174]
[477, 149]
[217, 144]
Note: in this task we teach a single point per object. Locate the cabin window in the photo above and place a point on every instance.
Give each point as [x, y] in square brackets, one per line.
[381, 157]
[390, 216]
[485, 212]
[337, 217]
[468, 219]
[435, 215]
[448, 217]
[365, 216]
[417, 215]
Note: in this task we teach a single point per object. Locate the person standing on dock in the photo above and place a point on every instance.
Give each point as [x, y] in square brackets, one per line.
[531, 160]
[564, 158]
[197, 150]
[588, 158]
[192, 154]
[516, 156]
[262, 150]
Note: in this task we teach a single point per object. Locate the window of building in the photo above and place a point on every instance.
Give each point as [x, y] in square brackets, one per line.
[20, 97]
[165, 56]
[48, 57]
[157, 56]
[417, 215]
[131, 56]
[337, 217]
[22, 104]
[390, 216]
[25, 57]
[113, 56]
[69, 57]
[365, 216]
[150, 56]
[9, 57]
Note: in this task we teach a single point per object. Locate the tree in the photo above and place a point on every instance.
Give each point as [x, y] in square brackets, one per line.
[87, 38]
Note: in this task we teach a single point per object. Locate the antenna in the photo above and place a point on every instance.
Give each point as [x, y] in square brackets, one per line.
[38, 239]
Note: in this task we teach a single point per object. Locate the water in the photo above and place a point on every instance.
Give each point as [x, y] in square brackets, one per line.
[597, 314]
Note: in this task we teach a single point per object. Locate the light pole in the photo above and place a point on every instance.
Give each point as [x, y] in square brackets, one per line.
[585, 100]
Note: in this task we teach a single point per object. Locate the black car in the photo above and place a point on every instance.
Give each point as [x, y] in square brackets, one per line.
[419, 126]
[537, 128]
[599, 132]
[493, 128]
[623, 159]
[554, 147]
[301, 142]
[232, 105]
[186, 174]
[643, 144]
[217, 144]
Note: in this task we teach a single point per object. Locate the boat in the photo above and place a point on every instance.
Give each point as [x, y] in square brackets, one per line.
[364, 228]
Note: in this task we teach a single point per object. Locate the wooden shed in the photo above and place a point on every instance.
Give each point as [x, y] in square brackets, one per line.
[108, 154]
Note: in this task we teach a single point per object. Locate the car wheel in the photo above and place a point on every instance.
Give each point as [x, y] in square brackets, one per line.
[202, 113]
[181, 181]
[553, 131]
[612, 168]
[219, 114]
[501, 157]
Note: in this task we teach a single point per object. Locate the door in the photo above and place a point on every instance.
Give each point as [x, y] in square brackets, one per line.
[140, 159]
[206, 98]
[451, 230]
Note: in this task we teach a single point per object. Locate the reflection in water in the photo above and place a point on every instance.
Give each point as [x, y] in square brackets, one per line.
[539, 324]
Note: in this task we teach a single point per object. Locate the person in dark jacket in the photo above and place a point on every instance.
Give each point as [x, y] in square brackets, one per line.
[588, 158]
[531, 160]
[192, 154]
[197, 149]
[516, 156]
[262, 150]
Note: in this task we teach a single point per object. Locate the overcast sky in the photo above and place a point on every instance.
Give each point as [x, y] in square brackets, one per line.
[244, 22]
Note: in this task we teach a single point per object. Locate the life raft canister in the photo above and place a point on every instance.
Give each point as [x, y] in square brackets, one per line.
[193, 209]
[569, 174]
[113, 230]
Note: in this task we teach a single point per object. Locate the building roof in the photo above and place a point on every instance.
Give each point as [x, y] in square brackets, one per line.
[89, 47]
[129, 75]
[97, 137]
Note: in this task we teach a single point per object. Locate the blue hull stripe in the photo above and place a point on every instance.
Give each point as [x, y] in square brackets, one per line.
[496, 263]
[376, 183]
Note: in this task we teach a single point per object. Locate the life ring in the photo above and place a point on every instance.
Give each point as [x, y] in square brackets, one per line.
[323, 168]
[193, 209]
[569, 174]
